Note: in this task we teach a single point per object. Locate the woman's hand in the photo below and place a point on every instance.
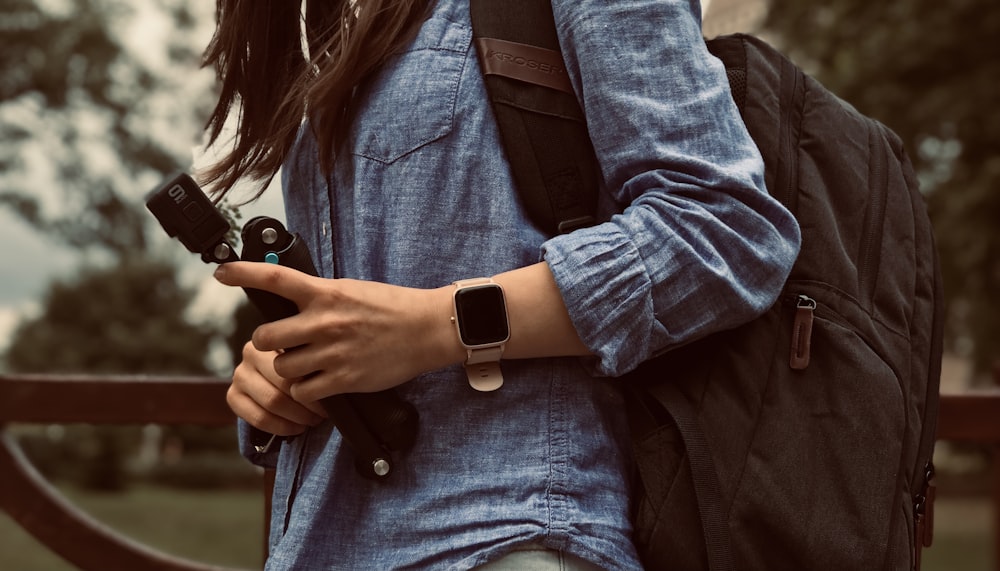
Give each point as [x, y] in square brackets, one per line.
[349, 336]
[263, 398]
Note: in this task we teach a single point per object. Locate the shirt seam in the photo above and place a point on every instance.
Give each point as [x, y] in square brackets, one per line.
[559, 528]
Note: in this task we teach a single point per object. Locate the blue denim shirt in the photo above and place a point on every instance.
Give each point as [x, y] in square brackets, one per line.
[422, 196]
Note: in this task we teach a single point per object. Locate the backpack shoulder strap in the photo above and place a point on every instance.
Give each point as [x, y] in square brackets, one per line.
[543, 129]
[544, 133]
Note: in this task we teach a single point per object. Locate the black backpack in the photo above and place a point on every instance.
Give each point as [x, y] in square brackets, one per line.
[803, 439]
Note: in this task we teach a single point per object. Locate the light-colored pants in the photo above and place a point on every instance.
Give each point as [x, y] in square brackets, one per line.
[537, 558]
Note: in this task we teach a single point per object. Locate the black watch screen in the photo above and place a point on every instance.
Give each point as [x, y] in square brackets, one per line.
[482, 315]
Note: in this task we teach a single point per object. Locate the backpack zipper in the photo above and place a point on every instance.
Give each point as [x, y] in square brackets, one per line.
[802, 325]
[923, 513]
[873, 231]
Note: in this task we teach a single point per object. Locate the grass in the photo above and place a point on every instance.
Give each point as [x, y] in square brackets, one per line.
[963, 538]
[216, 527]
[225, 528]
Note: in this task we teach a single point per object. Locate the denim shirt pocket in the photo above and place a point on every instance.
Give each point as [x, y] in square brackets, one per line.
[411, 101]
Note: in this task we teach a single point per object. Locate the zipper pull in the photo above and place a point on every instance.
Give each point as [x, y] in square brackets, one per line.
[923, 514]
[802, 333]
[930, 494]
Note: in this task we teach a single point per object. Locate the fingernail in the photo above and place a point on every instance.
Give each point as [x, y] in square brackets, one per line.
[220, 272]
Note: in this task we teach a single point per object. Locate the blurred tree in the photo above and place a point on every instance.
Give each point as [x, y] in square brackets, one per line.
[120, 319]
[97, 102]
[929, 70]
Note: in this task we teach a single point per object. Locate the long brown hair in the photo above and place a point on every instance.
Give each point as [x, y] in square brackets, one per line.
[273, 79]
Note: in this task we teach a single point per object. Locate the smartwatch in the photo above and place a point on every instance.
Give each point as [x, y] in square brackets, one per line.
[483, 329]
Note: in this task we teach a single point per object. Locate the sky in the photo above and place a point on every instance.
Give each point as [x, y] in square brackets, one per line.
[30, 262]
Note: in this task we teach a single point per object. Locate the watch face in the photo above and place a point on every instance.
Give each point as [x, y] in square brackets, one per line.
[482, 315]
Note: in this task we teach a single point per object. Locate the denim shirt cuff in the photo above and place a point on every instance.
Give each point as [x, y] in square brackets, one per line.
[249, 437]
[601, 276]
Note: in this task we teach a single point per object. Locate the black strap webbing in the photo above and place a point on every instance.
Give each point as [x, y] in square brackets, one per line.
[707, 490]
[543, 129]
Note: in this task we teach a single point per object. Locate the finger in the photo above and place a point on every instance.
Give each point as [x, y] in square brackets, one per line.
[284, 406]
[263, 363]
[255, 415]
[283, 334]
[286, 282]
[316, 407]
[270, 394]
[322, 385]
[299, 363]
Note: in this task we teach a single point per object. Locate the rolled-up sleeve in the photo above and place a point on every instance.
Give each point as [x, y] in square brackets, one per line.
[699, 246]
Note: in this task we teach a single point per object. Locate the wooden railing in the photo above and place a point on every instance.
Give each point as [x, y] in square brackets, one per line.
[40, 509]
[975, 417]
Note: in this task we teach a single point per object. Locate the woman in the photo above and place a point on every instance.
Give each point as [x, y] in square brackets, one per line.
[397, 183]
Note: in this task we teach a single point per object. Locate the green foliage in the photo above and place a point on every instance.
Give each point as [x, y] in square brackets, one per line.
[197, 457]
[123, 319]
[92, 457]
[206, 471]
[929, 71]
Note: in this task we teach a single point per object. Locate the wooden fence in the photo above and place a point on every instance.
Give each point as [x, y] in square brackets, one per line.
[40, 509]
